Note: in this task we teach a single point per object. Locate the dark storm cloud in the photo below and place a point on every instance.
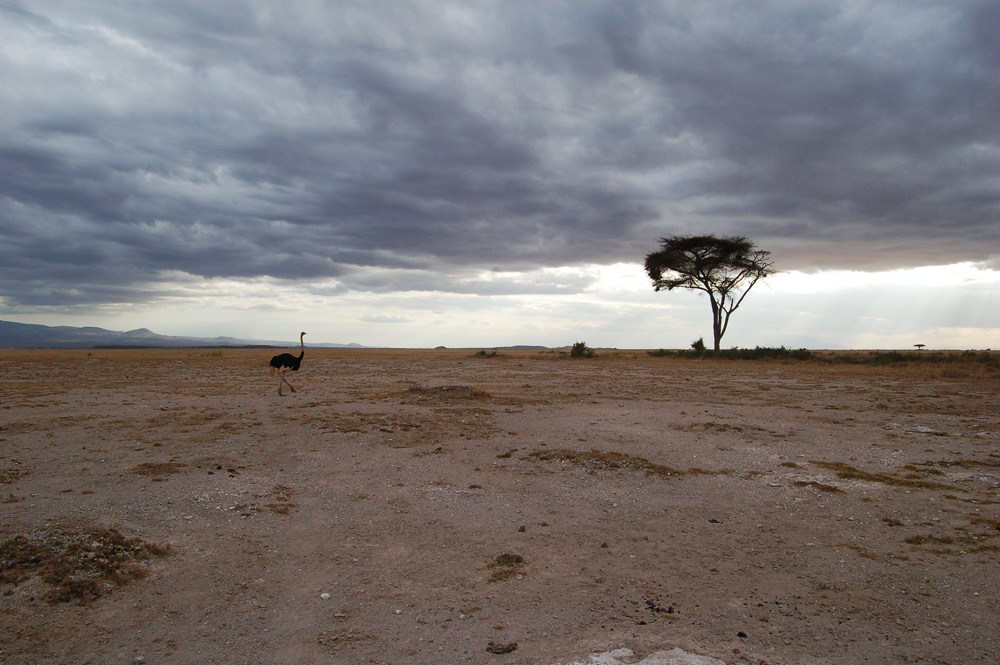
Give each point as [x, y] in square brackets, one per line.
[299, 141]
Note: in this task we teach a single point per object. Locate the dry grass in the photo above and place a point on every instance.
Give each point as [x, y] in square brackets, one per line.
[450, 393]
[337, 640]
[11, 474]
[864, 552]
[410, 428]
[76, 565]
[600, 460]
[157, 470]
[966, 463]
[831, 489]
[506, 566]
[979, 536]
[282, 500]
[907, 478]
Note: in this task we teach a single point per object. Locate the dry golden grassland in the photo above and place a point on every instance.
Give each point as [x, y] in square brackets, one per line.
[500, 506]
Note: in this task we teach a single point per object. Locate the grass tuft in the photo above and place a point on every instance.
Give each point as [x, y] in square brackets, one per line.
[600, 460]
[80, 565]
[12, 474]
[820, 486]
[505, 566]
[910, 480]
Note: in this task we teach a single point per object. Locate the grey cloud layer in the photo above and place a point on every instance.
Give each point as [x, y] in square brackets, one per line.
[300, 141]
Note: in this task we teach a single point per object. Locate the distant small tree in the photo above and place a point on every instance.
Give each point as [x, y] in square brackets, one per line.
[724, 268]
[581, 350]
[698, 346]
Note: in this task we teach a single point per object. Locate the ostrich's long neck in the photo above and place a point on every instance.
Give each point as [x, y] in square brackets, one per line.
[302, 342]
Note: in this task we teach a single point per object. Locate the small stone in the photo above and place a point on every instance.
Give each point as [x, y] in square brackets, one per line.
[325, 596]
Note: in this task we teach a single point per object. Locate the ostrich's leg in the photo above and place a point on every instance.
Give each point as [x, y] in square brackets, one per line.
[286, 383]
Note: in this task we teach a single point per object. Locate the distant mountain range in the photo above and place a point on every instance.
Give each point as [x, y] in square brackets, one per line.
[33, 336]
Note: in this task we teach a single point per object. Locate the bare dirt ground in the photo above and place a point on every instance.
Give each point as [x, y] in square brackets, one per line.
[438, 507]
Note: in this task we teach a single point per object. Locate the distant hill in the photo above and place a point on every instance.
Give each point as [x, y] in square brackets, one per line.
[33, 336]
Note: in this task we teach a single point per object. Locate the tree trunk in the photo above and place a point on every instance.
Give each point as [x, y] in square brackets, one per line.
[716, 322]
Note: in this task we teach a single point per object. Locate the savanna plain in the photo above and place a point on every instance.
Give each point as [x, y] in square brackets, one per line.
[449, 506]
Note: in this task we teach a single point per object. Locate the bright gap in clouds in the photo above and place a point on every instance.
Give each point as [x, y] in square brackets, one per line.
[837, 280]
[950, 307]
[956, 306]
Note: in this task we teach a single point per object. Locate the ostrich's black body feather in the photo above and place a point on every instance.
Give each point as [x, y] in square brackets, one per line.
[287, 360]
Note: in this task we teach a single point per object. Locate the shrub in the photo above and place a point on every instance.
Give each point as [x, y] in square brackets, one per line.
[581, 350]
[698, 346]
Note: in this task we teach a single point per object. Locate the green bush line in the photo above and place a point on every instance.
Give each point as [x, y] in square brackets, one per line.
[758, 353]
[878, 358]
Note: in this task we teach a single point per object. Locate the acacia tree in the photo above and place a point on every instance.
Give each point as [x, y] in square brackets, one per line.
[724, 268]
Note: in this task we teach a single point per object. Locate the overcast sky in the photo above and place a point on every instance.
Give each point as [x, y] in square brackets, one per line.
[489, 173]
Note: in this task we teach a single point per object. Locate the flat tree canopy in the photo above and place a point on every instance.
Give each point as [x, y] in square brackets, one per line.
[724, 268]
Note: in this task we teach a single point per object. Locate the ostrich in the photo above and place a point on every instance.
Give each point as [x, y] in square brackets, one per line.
[286, 361]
